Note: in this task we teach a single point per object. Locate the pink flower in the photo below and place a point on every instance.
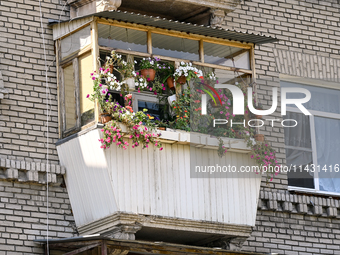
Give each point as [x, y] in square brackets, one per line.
[161, 148]
[266, 145]
[252, 156]
[93, 78]
[88, 95]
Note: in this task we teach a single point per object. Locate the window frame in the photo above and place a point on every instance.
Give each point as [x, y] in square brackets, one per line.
[95, 51]
[314, 113]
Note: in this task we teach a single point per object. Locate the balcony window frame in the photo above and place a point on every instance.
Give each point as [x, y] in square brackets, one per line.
[96, 49]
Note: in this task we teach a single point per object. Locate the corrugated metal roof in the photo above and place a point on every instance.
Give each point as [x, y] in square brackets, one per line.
[185, 27]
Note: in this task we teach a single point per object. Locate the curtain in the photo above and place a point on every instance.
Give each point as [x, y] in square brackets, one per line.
[328, 152]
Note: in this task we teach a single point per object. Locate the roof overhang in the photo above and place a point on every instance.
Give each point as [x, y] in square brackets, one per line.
[157, 22]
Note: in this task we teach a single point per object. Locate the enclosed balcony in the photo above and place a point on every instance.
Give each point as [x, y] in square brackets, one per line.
[150, 194]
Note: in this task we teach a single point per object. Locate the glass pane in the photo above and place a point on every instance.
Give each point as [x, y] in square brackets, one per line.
[122, 38]
[75, 41]
[86, 87]
[226, 55]
[70, 100]
[298, 176]
[322, 99]
[298, 136]
[175, 47]
[154, 109]
[327, 132]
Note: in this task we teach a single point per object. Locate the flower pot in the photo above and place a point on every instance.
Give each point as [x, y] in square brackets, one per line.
[181, 80]
[170, 82]
[161, 128]
[104, 117]
[131, 83]
[148, 74]
[111, 68]
[259, 137]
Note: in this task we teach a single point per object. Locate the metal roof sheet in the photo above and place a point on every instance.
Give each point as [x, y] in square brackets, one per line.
[210, 31]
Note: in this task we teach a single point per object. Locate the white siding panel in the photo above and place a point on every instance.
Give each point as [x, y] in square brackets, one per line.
[154, 182]
[87, 178]
[59, 30]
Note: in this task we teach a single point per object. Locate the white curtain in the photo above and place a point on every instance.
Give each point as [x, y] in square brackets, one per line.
[328, 151]
[300, 138]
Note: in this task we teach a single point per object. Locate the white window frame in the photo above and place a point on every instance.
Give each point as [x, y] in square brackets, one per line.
[314, 113]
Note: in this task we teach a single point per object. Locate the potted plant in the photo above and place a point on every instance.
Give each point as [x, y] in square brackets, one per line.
[185, 72]
[100, 93]
[126, 69]
[148, 68]
[138, 126]
[166, 71]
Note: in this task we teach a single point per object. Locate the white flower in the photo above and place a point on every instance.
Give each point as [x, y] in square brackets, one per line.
[107, 57]
[135, 62]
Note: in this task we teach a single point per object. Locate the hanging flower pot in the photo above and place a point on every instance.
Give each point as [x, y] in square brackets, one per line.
[259, 137]
[131, 83]
[170, 82]
[181, 80]
[148, 74]
[104, 117]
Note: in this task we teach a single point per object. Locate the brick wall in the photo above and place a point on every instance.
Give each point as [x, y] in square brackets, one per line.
[23, 111]
[23, 148]
[23, 216]
[309, 47]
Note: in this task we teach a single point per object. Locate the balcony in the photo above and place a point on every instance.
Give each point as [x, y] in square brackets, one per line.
[150, 194]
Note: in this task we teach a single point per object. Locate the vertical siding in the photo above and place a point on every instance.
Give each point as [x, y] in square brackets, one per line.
[158, 183]
[87, 179]
[154, 182]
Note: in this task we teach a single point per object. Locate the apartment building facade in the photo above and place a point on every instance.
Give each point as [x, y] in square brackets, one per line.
[290, 44]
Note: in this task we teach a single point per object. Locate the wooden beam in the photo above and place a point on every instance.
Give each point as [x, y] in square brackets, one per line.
[201, 50]
[82, 249]
[149, 42]
[95, 55]
[228, 68]
[130, 52]
[77, 91]
[246, 71]
[104, 248]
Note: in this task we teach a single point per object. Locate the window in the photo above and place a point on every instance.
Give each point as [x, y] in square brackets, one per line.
[314, 143]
